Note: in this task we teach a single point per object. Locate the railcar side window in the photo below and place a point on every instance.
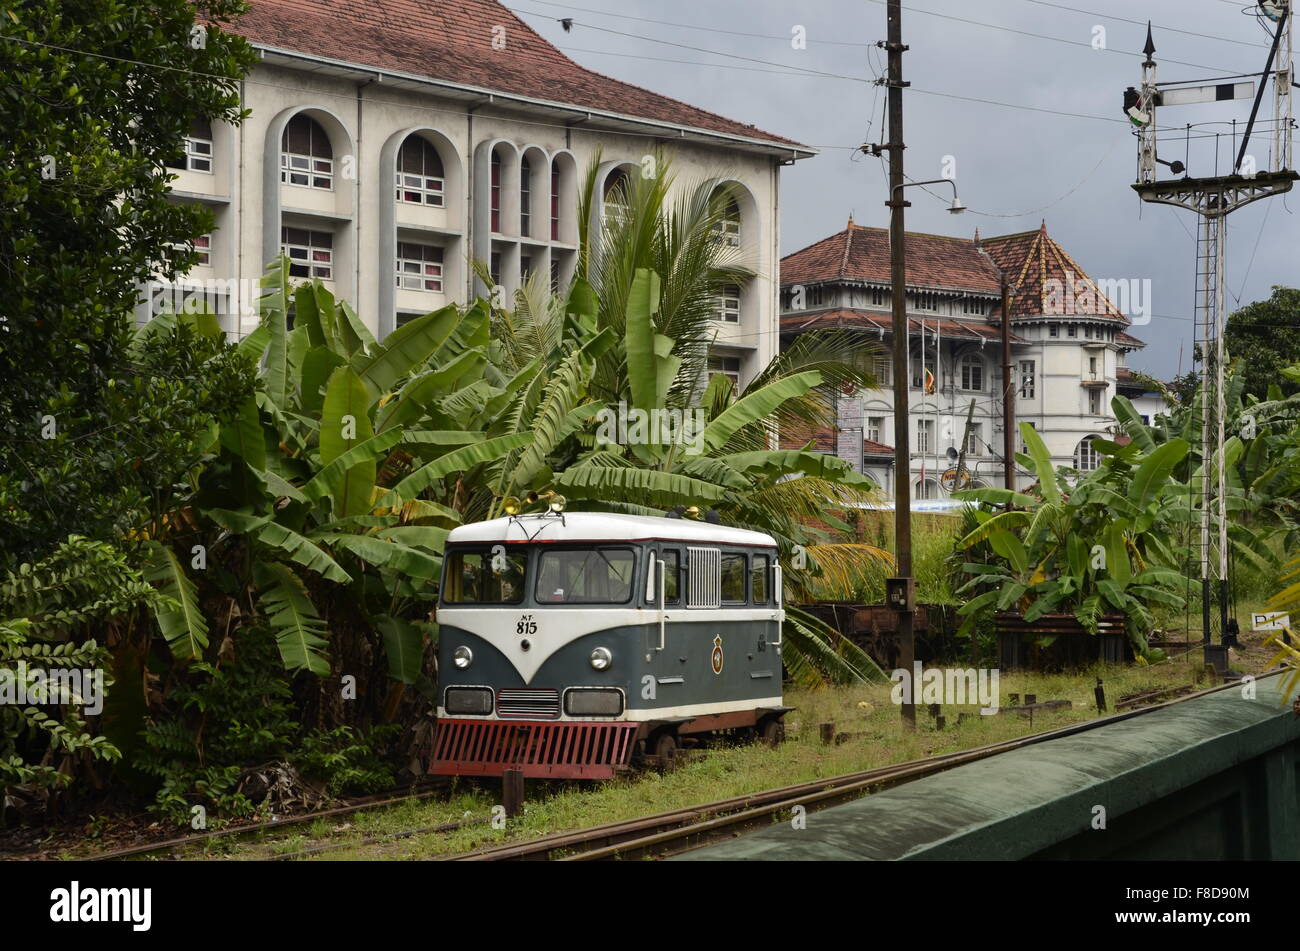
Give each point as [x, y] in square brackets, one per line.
[480, 577]
[585, 576]
[733, 579]
[758, 579]
[672, 576]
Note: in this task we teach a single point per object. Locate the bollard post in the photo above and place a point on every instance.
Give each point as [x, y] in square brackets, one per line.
[512, 791]
[1100, 694]
[828, 733]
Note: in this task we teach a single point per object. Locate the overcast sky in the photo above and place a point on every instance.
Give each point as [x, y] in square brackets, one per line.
[1014, 165]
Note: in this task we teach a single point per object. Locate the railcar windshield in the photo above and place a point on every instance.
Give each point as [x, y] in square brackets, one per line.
[600, 575]
[484, 577]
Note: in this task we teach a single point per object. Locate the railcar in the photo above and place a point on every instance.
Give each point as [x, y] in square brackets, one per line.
[571, 643]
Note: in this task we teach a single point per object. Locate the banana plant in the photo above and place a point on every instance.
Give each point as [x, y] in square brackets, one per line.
[1090, 547]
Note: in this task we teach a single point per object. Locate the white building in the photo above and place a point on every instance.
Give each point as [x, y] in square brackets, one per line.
[391, 145]
[1069, 346]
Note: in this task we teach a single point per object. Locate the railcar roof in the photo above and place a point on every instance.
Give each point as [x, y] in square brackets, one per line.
[596, 526]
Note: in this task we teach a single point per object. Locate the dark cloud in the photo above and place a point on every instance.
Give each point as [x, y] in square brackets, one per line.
[1016, 165]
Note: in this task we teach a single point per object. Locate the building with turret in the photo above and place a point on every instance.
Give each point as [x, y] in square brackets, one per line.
[1069, 345]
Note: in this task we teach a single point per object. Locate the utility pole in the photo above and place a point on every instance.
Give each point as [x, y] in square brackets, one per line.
[904, 602]
[1008, 396]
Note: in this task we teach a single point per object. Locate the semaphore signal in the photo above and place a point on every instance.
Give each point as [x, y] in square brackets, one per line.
[1213, 198]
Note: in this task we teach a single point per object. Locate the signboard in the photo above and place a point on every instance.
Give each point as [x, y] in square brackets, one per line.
[1189, 95]
[1270, 621]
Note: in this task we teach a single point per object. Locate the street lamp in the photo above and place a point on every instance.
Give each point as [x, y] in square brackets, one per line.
[956, 208]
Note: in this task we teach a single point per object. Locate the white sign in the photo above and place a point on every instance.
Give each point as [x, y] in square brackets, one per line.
[1189, 95]
[1271, 621]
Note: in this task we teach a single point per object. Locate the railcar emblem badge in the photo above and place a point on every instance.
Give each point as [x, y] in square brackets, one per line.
[716, 657]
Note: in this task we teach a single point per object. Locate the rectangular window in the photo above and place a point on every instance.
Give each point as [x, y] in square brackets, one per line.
[494, 268]
[479, 577]
[555, 276]
[972, 375]
[875, 426]
[727, 304]
[526, 200]
[420, 189]
[203, 245]
[878, 297]
[733, 579]
[1092, 367]
[1087, 331]
[306, 170]
[585, 576]
[1053, 330]
[1072, 330]
[975, 440]
[1027, 381]
[496, 193]
[758, 572]
[419, 266]
[884, 371]
[1023, 447]
[198, 154]
[727, 366]
[924, 435]
[525, 267]
[311, 253]
[555, 203]
[1094, 402]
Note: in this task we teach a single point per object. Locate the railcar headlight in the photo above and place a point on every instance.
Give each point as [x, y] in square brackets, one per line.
[462, 657]
[601, 658]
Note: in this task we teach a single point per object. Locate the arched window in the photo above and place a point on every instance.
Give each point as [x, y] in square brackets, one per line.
[306, 156]
[420, 178]
[727, 230]
[616, 196]
[927, 489]
[1086, 458]
[525, 196]
[972, 373]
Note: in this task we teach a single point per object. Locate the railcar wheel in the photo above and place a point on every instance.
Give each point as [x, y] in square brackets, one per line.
[665, 750]
[772, 732]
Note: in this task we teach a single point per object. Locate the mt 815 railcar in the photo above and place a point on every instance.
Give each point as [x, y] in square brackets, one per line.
[570, 641]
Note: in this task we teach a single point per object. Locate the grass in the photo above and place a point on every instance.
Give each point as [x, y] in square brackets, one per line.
[878, 738]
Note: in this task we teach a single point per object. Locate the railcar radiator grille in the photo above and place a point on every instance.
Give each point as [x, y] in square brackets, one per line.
[704, 578]
[533, 703]
[550, 750]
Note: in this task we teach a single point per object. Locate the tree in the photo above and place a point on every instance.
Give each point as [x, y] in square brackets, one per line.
[97, 96]
[1264, 337]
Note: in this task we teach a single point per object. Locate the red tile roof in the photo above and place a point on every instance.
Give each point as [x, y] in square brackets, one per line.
[974, 329]
[862, 254]
[451, 40]
[823, 440]
[1029, 260]
[1032, 259]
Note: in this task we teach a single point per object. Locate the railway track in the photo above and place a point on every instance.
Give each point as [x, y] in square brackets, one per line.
[179, 843]
[681, 830]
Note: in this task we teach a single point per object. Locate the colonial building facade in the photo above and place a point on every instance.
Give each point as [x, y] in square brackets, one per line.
[392, 146]
[1069, 346]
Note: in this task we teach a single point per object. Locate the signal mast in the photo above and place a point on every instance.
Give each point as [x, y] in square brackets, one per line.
[1213, 198]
